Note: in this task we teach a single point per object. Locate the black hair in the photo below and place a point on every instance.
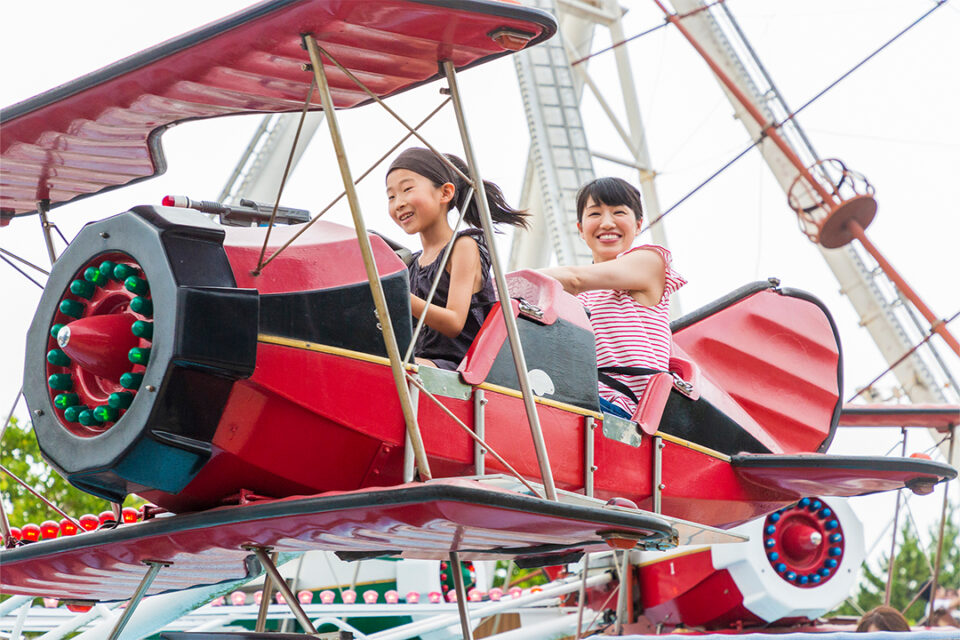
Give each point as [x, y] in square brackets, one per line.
[611, 192]
[426, 163]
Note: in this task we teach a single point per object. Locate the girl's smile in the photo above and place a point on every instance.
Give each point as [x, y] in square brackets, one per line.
[415, 203]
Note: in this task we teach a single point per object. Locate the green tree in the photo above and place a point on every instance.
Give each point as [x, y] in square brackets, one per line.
[20, 454]
[911, 571]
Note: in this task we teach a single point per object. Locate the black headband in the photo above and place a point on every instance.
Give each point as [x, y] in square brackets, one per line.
[426, 163]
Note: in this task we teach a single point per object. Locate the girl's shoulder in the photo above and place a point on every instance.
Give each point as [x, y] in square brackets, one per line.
[477, 236]
[672, 279]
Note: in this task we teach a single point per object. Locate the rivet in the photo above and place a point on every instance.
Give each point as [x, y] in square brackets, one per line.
[593, 467]
[150, 387]
[661, 486]
[104, 235]
[38, 412]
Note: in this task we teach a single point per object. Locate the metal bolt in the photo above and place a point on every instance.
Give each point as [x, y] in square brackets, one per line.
[444, 91]
[661, 486]
[38, 412]
[483, 401]
[104, 235]
[150, 388]
[661, 445]
[306, 67]
[593, 467]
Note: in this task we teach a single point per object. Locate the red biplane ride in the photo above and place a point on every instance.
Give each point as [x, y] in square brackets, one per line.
[267, 403]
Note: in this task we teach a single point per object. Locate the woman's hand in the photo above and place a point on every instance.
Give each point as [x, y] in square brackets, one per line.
[640, 272]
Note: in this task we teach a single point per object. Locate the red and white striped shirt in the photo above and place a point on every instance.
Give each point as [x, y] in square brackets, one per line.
[630, 334]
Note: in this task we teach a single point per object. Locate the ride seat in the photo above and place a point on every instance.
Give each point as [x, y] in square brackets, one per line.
[558, 343]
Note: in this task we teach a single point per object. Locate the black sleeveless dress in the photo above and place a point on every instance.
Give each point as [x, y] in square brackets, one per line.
[446, 352]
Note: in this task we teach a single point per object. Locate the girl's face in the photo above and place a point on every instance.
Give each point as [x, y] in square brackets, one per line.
[414, 202]
[608, 230]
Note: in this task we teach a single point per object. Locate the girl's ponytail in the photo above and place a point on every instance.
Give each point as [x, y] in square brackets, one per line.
[427, 164]
[500, 211]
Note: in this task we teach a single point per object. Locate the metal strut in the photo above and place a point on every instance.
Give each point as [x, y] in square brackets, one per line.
[461, 595]
[369, 263]
[513, 334]
[282, 587]
[155, 566]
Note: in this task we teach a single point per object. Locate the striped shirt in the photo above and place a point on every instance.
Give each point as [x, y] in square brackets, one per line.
[630, 334]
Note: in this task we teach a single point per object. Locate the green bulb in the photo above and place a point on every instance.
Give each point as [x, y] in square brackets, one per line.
[92, 274]
[82, 288]
[142, 329]
[71, 308]
[123, 271]
[61, 381]
[120, 399]
[131, 380]
[137, 285]
[72, 414]
[55, 329]
[106, 268]
[64, 400]
[88, 419]
[58, 358]
[105, 413]
[143, 306]
[138, 355]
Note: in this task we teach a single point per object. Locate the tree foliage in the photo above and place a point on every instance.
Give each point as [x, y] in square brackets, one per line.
[20, 454]
[912, 569]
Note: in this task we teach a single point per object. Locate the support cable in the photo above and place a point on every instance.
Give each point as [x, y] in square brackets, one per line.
[363, 175]
[792, 115]
[286, 172]
[39, 495]
[643, 33]
[912, 349]
[20, 271]
[24, 261]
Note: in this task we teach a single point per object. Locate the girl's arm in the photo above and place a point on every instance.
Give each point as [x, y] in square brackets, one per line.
[465, 277]
[641, 271]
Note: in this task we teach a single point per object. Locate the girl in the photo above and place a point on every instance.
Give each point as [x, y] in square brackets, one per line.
[626, 291]
[421, 190]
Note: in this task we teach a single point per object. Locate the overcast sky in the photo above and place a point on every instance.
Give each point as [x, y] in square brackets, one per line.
[895, 120]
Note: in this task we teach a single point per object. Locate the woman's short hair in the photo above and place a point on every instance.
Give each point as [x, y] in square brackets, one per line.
[883, 618]
[611, 192]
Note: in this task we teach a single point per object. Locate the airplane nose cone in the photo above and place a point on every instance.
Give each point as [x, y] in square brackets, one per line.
[100, 344]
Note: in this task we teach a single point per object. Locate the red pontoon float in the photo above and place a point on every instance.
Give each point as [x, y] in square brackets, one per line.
[165, 359]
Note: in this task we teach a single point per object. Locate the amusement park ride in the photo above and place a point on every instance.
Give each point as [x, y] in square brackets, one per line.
[255, 384]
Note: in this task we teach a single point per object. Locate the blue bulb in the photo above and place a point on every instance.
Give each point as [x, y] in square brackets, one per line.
[830, 563]
[804, 502]
[774, 556]
[832, 524]
[825, 512]
[769, 543]
[770, 530]
[803, 580]
[816, 504]
[781, 567]
[774, 516]
[824, 572]
[790, 575]
[835, 551]
[836, 537]
[815, 578]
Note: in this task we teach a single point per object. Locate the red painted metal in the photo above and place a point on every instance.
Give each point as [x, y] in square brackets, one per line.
[775, 359]
[931, 416]
[100, 344]
[856, 480]
[205, 548]
[103, 130]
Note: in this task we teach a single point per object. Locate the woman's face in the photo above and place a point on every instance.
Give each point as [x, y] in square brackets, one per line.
[608, 230]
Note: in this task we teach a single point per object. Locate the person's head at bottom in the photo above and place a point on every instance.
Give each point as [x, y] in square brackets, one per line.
[883, 618]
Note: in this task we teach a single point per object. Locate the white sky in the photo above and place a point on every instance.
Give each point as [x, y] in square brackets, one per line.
[895, 120]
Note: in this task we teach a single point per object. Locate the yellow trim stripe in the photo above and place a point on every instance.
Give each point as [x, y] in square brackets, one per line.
[673, 556]
[366, 357]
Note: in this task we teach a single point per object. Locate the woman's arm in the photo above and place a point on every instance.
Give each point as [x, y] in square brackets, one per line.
[641, 271]
[464, 267]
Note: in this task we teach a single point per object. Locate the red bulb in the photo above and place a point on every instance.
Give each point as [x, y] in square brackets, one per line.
[49, 529]
[31, 532]
[168, 201]
[107, 516]
[16, 533]
[89, 522]
[79, 608]
[68, 528]
[130, 514]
